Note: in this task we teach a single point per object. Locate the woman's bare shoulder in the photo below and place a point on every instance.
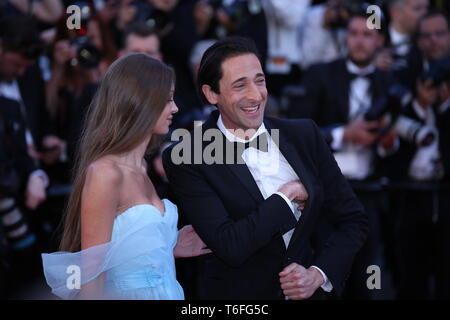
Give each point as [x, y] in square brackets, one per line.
[104, 171]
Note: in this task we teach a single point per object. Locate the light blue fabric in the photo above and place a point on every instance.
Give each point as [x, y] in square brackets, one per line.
[138, 261]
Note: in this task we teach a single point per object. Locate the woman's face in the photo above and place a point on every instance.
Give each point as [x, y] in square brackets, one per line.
[165, 119]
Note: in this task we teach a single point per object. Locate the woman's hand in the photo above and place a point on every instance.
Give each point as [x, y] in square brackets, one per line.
[189, 244]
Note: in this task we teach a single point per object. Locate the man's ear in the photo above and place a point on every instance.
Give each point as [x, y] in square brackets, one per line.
[210, 95]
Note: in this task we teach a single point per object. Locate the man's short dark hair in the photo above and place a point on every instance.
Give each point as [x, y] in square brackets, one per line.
[362, 13]
[19, 34]
[432, 14]
[140, 29]
[210, 71]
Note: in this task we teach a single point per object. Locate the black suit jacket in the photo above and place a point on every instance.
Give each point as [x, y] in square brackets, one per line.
[244, 231]
[13, 149]
[32, 90]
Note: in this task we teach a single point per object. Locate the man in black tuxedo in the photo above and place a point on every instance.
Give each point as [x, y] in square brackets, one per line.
[337, 97]
[21, 186]
[279, 216]
[21, 81]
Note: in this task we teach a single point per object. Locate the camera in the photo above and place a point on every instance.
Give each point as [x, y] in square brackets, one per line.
[351, 7]
[390, 107]
[87, 55]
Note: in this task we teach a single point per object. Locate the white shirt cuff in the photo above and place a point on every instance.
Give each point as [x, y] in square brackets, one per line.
[338, 137]
[383, 152]
[41, 174]
[326, 286]
[287, 200]
[421, 113]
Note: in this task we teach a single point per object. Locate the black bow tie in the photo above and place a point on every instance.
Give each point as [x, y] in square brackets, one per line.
[260, 143]
[353, 76]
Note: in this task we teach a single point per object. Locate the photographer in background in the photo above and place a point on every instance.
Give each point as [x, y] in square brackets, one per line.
[78, 59]
[21, 186]
[21, 81]
[282, 65]
[323, 31]
[422, 173]
[404, 18]
[338, 95]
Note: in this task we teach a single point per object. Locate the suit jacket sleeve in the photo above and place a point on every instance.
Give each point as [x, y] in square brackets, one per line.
[233, 241]
[344, 212]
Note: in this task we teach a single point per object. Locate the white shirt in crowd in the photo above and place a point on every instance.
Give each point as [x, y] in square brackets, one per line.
[284, 18]
[319, 44]
[400, 42]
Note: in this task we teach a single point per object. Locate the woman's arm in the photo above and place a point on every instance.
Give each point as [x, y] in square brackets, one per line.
[99, 202]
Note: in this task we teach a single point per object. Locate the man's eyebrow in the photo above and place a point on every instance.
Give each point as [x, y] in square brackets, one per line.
[238, 80]
[258, 75]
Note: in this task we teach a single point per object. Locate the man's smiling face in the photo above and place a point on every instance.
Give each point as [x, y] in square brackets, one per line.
[242, 93]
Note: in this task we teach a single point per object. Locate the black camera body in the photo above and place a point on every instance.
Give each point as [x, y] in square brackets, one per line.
[438, 72]
[238, 10]
[87, 56]
[391, 107]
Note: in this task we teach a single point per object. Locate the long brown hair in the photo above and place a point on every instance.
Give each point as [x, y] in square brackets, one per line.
[127, 105]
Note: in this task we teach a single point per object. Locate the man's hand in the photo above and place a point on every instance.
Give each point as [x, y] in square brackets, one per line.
[361, 132]
[296, 192]
[189, 244]
[35, 192]
[299, 283]
[384, 59]
[53, 147]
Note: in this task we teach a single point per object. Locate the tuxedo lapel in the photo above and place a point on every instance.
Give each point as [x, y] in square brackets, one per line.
[241, 171]
[243, 174]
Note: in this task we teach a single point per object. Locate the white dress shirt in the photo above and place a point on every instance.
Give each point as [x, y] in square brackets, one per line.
[354, 160]
[270, 170]
[401, 42]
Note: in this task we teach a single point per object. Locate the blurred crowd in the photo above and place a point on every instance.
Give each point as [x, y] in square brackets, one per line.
[380, 96]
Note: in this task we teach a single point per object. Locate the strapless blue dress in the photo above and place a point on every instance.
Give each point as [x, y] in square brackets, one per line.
[138, 262]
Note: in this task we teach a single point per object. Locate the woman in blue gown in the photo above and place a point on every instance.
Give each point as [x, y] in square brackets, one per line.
[120, 238]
